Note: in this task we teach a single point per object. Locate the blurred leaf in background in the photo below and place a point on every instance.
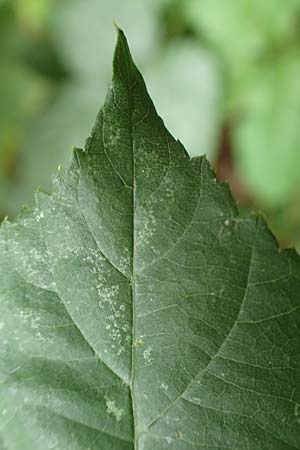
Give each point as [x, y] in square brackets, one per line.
[260, 46]
[22, 92]
[267, 137]
[185, 83]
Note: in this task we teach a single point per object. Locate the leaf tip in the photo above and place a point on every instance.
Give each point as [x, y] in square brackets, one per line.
[76, 149]
[123, 65]
[118, 29]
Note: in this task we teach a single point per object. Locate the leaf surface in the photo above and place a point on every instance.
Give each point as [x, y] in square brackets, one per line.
[137, 310]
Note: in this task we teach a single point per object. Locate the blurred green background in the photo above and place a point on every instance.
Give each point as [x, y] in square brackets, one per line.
[224, 74]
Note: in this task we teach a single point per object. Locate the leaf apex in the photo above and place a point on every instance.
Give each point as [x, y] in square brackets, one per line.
[123, 64]
[118, 29]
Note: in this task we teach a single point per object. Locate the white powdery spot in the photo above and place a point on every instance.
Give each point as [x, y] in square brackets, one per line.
[147, 355]
[112, 409]
[39, 216]
[124, 261]
[115, 313]
[147, 231]
[297, 412]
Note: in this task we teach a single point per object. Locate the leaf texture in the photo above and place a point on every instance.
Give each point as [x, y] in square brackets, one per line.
[138, 311]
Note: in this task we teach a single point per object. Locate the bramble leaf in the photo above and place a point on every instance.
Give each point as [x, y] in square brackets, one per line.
[137, 310]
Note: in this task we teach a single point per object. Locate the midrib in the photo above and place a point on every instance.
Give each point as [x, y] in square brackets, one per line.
[133, 297]
[133, 332]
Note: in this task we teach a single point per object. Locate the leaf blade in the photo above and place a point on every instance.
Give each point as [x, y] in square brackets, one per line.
[142, 312]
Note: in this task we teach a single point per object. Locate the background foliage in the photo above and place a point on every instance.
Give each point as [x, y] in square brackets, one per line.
[224, 75]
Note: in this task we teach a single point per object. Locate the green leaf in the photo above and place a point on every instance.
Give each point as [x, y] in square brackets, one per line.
[138, 311]
[76, 103]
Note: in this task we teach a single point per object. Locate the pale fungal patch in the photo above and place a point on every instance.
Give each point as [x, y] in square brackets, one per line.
[297, 412]
[112, 409]
[179, 435]
[115, 315]
[147, 355]
[164, 386]
[138, 341]
[1, 325]
[147, 231]
[124, 261]
[40, 216]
